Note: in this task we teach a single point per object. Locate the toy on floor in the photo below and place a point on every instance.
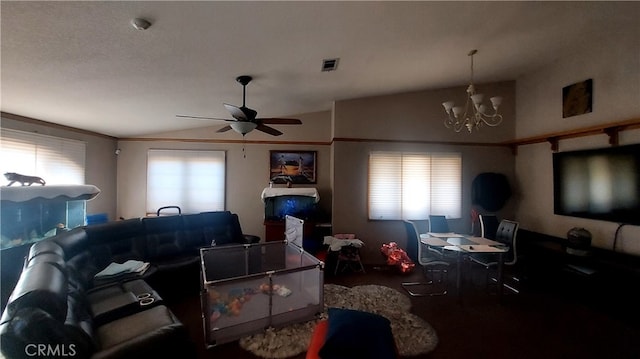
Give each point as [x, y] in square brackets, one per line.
[397, 257]
[278, 289]
[230, 303]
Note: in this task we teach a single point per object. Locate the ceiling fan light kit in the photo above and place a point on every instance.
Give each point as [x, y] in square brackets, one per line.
[245, 119]
[243, 127]
[474, 114]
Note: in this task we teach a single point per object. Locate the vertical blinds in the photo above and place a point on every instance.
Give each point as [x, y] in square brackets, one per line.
[56, 160]
[192, 180]
[414, 185]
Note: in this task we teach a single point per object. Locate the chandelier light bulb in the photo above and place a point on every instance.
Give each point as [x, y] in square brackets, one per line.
[477, 98]
[496, 102]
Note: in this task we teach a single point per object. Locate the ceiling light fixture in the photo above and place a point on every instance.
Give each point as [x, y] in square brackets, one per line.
[243, 127]
[475, 113]
[140, 24]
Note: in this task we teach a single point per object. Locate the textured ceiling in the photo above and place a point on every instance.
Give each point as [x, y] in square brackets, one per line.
[82, 64]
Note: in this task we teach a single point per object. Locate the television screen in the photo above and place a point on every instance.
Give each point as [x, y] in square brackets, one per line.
[599, 184]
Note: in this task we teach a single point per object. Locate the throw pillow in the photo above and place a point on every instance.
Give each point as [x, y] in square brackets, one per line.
[356, 334]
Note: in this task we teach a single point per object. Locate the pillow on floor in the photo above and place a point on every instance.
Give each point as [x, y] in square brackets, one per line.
[356, 334]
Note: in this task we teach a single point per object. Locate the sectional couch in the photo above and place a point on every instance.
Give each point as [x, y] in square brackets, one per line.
[58, 308]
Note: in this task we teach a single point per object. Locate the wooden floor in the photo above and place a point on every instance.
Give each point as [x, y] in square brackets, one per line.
[545, 320]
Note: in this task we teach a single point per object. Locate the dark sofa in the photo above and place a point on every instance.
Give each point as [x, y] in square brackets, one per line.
[59, 309]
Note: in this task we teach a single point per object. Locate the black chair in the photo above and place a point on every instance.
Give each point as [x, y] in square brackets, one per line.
[506, 233]
[431, 264]
[488, 225]
[438, 224]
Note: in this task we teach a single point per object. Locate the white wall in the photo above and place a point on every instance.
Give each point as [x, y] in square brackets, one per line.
[614, 65]
[247, 165]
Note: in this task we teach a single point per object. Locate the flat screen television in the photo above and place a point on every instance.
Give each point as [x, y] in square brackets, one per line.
[601, 184]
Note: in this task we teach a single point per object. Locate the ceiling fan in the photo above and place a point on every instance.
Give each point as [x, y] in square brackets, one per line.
[245, 119]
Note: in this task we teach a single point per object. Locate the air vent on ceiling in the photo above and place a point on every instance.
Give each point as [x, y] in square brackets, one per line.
[330, 64]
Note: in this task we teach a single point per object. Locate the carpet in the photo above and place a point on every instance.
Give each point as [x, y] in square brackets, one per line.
[412, 334]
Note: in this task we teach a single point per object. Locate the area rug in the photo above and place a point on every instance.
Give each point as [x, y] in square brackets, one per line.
[412, 334]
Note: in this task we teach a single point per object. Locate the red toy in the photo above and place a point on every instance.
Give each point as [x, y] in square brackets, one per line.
[397, 257]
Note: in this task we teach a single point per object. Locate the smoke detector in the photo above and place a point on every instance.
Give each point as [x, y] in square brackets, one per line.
[140, 24]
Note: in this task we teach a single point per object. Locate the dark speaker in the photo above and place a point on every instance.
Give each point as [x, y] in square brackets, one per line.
[490, 191]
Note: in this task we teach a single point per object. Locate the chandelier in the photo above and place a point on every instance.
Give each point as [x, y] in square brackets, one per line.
[474, 113]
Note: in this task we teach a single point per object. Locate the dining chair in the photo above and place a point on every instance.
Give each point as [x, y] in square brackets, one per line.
[438, 224]
[507, 234]
[432, 264]
[488, 225]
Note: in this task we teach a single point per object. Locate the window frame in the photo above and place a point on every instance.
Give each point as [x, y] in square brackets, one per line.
[400, 213]
[219, 202]
[57, 160]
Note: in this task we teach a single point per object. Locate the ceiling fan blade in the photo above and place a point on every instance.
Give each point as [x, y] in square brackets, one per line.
[269, 130]
[204, 118]
[224, 129]
[280, 121]
[236, 112]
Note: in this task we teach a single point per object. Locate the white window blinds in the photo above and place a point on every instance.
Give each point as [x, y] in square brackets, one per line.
[192, 180]
[414, 185]
[56, 160]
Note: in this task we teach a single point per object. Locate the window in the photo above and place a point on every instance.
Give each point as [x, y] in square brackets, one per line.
[413, 185]
[56, 160]
[192, 180]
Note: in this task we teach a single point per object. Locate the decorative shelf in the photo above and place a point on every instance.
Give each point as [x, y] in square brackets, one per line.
[610, 129]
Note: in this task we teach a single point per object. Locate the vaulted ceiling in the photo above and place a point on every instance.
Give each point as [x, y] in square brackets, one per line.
[83, 64]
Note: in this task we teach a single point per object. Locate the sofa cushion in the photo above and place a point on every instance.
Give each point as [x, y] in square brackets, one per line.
[45, 247]
[81, 269]
[51, 258]
[44, 286]
[33, 327]
[194, 231]
[118, 241]
[72, 242]
[165, 237]
[219, 227]
[152, 333]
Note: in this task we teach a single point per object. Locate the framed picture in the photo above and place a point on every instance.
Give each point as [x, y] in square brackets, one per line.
[296, 167]
[576, 98]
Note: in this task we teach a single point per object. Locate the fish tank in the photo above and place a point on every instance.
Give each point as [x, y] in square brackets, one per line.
[277, 208]
[32, 213]
[297, 202]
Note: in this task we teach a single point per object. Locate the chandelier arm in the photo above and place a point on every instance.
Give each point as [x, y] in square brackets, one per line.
[493, 123]
[453, 123]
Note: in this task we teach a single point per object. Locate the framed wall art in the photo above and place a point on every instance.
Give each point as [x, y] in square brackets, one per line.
[295, 167]
[576, 98]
